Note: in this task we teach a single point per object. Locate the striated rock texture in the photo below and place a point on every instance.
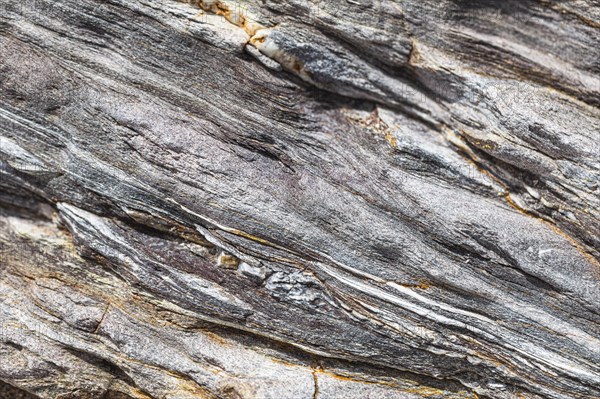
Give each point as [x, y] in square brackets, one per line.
[300, 199]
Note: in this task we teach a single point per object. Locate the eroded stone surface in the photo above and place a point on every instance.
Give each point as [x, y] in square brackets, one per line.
[300, 199]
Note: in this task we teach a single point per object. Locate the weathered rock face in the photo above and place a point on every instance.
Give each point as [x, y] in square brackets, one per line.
[296, 199]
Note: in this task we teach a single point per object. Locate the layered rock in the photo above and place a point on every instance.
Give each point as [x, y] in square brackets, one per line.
[294, 199]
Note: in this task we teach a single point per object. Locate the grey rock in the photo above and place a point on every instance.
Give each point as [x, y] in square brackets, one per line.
[300, 199]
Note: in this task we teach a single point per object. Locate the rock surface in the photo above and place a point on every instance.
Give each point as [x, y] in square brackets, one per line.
[300, 199]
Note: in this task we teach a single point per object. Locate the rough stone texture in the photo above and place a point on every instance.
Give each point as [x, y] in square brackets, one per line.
[296, 199]
[10, 392]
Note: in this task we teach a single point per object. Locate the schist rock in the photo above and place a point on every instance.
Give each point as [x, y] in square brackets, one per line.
[300, 199]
